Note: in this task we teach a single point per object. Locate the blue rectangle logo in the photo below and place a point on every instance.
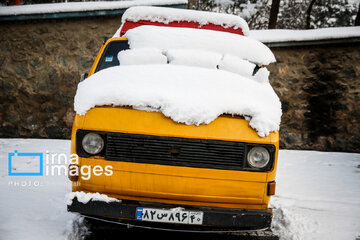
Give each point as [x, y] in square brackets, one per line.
[32, 172]
[139, 212]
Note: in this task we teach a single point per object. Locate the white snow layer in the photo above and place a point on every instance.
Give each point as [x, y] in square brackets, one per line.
[194, 57]
[189, 95]
[81, 6]
[168, 15]
[237, 65]
[188, 38]
[142, 56]
[86, 197]
[283, 35]
[317, 196]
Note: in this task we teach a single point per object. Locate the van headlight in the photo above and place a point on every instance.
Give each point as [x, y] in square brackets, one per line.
[258, 157]
[92, 143]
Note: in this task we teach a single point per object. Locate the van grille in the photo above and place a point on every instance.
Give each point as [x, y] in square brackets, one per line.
[173, 151]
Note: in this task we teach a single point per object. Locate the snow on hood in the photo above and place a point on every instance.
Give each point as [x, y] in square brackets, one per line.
[223, 43]
[142, 56]
[168, 15]
[189, 95]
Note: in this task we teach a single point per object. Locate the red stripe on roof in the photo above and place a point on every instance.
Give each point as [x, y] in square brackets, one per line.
[181, 24]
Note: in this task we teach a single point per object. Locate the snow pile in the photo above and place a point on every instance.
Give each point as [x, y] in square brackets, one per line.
[168, 15]
[82, 6]
[86, 197]
[237, 65]
[187, 95]
[187, 57]
[166, 38]
[262, 75]
[282, 35]
[193, 57]
[142, 56]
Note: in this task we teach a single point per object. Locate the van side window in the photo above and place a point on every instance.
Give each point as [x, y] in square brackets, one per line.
[109, 57]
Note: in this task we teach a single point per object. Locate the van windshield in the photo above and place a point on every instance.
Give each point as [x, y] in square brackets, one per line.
[109, 57]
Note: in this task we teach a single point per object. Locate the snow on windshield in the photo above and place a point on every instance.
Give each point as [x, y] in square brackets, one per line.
[188, 38]
[193, 57]
[237, 65]
[168, 15]
[189, 95]
[142, 56]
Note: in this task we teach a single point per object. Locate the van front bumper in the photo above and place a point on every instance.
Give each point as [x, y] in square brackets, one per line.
[214, 218]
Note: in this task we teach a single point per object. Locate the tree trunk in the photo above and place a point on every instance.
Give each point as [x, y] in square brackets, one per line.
[357, 20]
[308, 14]
[234, 7]
[274, 13]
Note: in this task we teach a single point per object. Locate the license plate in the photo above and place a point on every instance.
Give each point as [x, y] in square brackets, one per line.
[169, 216]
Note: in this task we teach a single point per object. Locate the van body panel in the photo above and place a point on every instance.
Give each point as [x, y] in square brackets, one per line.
[171, 184]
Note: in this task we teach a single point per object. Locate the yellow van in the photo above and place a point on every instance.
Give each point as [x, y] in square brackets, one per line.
[161, 173]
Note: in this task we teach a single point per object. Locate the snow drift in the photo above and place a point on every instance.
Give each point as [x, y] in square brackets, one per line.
[189, 95]
[193, 57]
[237, 65]
[188, 38]
[142, 56]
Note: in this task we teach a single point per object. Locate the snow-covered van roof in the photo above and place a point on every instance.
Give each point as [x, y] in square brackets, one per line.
[160, 16]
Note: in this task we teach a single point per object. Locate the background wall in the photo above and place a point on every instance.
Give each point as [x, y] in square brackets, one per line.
[41, 63]
[319, 87]
[40, 66]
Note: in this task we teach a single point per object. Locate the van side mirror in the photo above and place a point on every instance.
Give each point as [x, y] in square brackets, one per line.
[83, 77]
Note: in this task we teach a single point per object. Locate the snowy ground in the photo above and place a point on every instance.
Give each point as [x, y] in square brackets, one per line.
[318, 195]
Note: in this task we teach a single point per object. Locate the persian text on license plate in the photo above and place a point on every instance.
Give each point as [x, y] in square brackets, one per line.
[169, 216]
